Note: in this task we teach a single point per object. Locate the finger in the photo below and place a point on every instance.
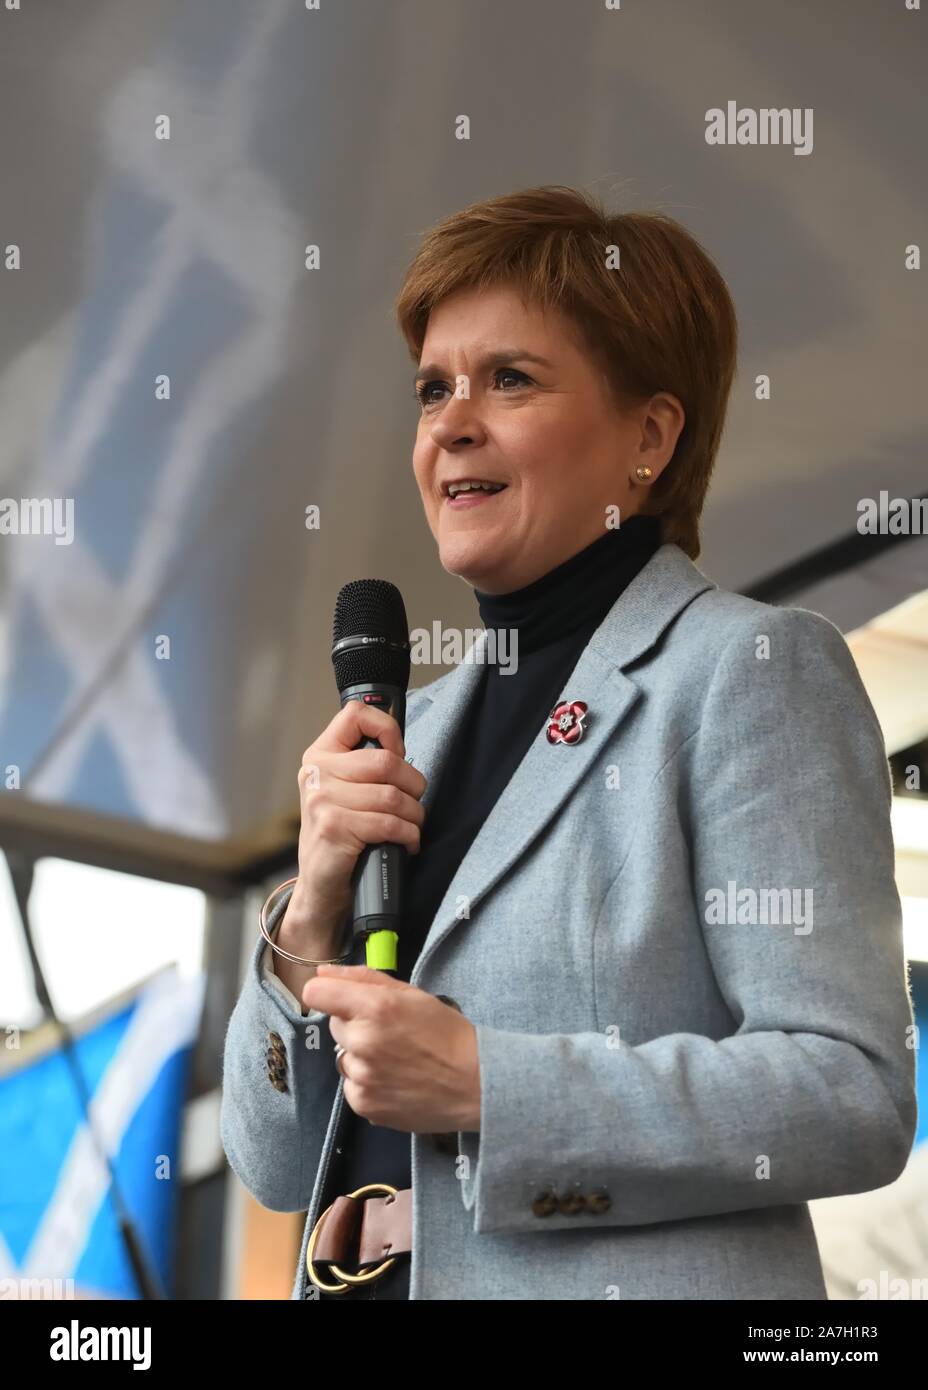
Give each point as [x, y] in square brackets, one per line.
[345, 1034]
[309, 1002]
[379, 798]
[374, 765]
[363, 974]
[355, 721]
[338, 1029]
[346, 999]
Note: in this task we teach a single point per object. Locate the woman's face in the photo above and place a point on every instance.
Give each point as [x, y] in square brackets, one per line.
[539, 419]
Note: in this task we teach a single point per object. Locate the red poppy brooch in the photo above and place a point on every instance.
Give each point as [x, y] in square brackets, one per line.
[565, 722]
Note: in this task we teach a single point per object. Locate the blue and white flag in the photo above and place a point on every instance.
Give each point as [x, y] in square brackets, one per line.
[57, 1219]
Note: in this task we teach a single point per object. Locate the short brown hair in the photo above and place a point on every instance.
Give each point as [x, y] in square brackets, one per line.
[663, 321]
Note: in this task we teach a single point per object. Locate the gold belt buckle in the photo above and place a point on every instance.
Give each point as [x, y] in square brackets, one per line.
[349, 1280]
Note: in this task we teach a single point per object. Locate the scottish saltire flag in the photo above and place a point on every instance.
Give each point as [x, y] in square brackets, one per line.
[165, 384]
[57, 1221]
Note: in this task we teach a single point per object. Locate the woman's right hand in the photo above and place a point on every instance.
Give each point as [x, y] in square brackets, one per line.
[350, 797]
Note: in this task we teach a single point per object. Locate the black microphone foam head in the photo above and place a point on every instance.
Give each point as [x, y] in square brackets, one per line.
[371, 624]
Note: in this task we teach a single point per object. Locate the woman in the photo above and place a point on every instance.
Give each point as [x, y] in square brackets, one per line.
[651, 978]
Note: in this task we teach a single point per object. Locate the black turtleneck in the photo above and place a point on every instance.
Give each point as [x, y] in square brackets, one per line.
[554, 618]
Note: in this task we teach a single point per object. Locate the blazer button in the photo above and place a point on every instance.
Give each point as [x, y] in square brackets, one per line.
[276, 1059]
[276, 1041]
[599, 1201]
[545, 1203]
[570, 1204]
[278, 1083]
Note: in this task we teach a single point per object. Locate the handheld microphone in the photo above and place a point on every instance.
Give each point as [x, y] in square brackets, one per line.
[370, 653]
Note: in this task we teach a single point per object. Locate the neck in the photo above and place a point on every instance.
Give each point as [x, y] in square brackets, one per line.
[576, 593]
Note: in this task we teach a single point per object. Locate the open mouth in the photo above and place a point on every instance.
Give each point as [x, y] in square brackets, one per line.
[472, 495]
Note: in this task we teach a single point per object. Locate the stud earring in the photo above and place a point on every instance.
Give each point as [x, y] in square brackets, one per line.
[643, 471]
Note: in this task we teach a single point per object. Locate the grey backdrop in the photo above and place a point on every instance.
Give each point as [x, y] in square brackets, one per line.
[336, 126]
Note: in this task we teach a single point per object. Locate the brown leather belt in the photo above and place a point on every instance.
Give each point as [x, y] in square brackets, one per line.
[363, 1229]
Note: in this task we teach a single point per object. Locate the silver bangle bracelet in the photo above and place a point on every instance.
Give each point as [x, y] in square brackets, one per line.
[287, 955]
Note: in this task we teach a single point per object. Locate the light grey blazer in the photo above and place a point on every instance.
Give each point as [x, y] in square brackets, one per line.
[651, 1023]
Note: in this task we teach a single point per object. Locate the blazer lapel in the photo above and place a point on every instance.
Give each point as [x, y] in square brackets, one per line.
[548, 774]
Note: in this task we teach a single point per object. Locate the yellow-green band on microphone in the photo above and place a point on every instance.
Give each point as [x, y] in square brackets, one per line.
[380, 950]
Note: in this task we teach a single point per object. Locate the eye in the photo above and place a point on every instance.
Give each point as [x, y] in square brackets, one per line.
[511, 371]
[425, 388]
